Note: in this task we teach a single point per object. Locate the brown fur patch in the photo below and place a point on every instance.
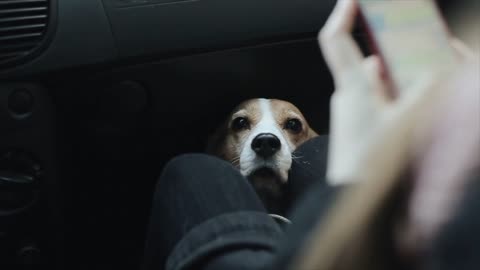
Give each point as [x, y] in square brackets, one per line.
[283, 111]
[227, 144]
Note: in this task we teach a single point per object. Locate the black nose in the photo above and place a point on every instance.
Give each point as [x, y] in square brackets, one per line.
[266, 144]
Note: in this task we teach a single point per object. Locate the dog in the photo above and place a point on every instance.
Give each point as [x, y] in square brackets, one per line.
[259, 138]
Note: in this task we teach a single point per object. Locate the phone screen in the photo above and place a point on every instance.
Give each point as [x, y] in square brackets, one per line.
[411, 38]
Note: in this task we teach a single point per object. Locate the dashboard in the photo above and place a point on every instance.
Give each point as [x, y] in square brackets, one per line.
[92, 32]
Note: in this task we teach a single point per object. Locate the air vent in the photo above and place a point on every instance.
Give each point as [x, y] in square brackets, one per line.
[23, 25]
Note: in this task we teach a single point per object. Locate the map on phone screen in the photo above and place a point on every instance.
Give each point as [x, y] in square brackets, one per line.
[411, 37]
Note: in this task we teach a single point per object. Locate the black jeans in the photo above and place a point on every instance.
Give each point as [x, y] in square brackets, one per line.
[206, 215]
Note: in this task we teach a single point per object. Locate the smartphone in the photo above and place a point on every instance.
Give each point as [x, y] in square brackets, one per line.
[411, 38]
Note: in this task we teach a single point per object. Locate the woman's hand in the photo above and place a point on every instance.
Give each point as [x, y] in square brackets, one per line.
[435, 127]
[373, 138]
[446, 153]
[370, 132]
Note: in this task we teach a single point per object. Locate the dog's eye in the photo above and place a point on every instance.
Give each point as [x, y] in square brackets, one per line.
[294, 125]
[240, 123]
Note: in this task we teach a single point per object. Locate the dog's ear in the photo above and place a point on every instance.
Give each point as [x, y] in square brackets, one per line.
[216, 142]
[311, 133]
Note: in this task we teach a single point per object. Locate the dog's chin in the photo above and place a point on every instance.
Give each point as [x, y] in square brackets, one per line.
[269, 186]
[267, 180]
[267, 173]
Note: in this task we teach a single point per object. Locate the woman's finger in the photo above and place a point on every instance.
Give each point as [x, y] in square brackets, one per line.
[338, 47]
[342, 17]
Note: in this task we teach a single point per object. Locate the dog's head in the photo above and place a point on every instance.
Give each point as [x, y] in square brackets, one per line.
[260, 136]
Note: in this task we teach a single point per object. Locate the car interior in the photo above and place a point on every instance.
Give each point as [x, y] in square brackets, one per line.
[97, 95]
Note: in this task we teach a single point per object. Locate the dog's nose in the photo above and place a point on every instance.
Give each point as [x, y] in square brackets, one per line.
[266, 144]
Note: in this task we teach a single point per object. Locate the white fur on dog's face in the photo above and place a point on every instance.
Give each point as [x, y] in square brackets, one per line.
[262, 116]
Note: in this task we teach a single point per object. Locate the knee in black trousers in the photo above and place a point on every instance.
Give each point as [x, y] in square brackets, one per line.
[201, 179]
[192, 189]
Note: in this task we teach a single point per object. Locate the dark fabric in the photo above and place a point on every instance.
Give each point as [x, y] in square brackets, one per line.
[203, 207]
[206, 216]
[306, 214]
[193, 190]
[239, 231]
[457, 245]
[239, 259]
[309, 167]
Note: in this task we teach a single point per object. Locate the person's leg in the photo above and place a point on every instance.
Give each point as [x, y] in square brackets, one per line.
[310, 197]
[456, 246]
[309, 167]
[203, 207]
